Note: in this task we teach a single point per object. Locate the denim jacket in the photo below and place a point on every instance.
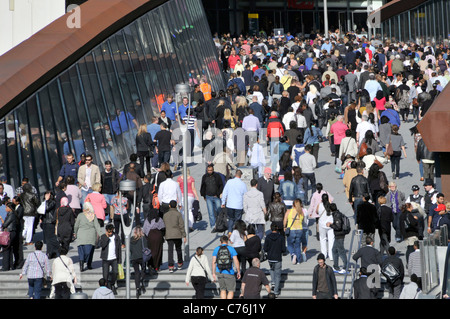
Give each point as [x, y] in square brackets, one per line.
[288, 190]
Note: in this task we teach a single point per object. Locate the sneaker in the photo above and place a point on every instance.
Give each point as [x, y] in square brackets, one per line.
[171, 269]
[294, 259]
[343, 272]
[180, 265]
[304, 259]
[336, 270]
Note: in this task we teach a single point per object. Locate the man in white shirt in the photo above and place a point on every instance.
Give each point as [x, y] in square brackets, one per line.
[8, 189]
[169, 190]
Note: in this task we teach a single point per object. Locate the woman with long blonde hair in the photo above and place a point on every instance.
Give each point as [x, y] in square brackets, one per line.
[293, 220]
[144, 146]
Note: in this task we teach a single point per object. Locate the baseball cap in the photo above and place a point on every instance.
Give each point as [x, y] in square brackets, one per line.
[440, 208]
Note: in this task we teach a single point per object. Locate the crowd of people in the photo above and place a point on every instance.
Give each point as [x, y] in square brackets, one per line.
[285, 100]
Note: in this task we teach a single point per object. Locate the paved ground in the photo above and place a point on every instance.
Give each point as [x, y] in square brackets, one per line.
[202, 236]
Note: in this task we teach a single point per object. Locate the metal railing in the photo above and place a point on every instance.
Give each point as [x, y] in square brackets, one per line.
[430, 258]
[353, 267]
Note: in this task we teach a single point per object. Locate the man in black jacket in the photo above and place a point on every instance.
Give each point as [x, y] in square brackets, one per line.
[110, 257]
[324, 281]
[275, 247]
[266, 186]
[361, 286]
[138, 167]
[338, 249]
[359, 187]
[427, 158]
[368, 254]
[210, 189]
[367, 218]
[395, 286]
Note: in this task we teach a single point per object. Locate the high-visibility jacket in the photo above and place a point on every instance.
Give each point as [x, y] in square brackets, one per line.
[206, 90]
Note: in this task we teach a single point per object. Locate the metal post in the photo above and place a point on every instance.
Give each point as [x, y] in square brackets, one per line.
[182, 90]
[325, 17]
[125, 186]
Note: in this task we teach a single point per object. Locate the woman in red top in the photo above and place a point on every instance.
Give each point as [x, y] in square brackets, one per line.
[380, 101]
[98, 202]
[191, 192]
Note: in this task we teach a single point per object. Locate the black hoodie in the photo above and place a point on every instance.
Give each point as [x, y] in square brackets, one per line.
[275, 246]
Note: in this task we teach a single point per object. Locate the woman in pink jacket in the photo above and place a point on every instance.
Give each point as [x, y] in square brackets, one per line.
[98, 202]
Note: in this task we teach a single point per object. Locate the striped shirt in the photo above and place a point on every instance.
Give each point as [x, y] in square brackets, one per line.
[415, 264]
[35, 265]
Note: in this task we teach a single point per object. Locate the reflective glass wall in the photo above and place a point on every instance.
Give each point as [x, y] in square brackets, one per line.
[427, 22]
[97, 104]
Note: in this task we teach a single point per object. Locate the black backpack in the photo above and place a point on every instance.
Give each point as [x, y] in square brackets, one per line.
[223, 258]
[222, 221]
[346, 228]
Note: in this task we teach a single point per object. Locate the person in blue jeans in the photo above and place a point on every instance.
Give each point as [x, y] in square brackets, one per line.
[233, 199]
[293, 220]
[35, 268]
[210, 189]
[275, 246]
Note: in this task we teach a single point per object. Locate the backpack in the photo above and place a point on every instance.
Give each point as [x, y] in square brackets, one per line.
[390, 272]
[222, 221]
[318, 109]
[346, 228]
[297, 155]
[223, 258]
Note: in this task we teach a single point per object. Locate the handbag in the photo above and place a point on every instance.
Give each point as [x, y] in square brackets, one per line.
[4, 238]
[378, 163]
[288, 230]
[41, 208]
[120, 272]
[389, 149]
[362, 150]
[146, 253]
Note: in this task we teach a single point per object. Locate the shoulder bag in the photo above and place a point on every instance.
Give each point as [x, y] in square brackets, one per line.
[44, 279]
[389, 149]
[146, 253]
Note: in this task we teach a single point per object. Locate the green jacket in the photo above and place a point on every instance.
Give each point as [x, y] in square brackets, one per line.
[87, 231]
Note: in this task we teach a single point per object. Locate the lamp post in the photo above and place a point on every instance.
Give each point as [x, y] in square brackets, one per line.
[183, 90]
[325, 17]
[127, 186]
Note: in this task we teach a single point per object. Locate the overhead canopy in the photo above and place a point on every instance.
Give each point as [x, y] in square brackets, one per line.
[394, 8]
[37, 60]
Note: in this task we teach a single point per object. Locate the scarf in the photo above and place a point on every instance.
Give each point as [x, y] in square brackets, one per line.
[394, 201]
[89, 215]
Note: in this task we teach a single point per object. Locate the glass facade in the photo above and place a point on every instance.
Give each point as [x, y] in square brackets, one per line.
[97, 104]
[427, 22]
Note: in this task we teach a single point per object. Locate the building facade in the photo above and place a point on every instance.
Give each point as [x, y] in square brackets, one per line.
[95, 104]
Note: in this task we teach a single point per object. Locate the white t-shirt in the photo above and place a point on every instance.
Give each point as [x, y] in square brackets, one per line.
[112, 248]
[87, 179]
[236, 239]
